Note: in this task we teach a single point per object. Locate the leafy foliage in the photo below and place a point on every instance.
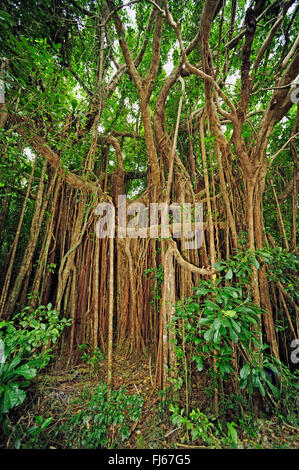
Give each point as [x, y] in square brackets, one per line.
[57, 77]
[27, 342]
[92, 358]
[105, 412]
[203, 428]
[283, 267]
[213, 325]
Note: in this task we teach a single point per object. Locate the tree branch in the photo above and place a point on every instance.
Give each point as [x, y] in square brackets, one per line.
[38, 143]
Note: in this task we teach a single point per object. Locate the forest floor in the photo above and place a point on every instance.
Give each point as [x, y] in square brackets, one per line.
[56, 394]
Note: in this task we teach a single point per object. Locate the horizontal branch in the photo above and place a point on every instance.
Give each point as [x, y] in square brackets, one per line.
[187, 265]
[133, 135]
[39, 144]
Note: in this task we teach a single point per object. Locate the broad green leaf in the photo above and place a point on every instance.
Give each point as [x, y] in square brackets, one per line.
[235, 326]
[217, 336]
[204, 321]
[274, 389]
[272, 367]
[245, 309]
[233, 335]
[6, 17]
[229, 274]
[46, 422]
[229, 313]
[233, 433]
[200, 292]
[261, 387]
[209, 334]
[225, 322]
[218, 266]
[211, 306]
[26, 371]
[217, 323]
[245, 371]
[13, 396]
[199, 362]
[243, 383]
[251, 320]
[39, 419]
[255, 262]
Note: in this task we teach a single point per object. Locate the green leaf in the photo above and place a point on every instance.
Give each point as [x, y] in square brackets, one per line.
[201, 291]
[274, 389]
[211, 306]
[25, 371]
[17, 443]
[204, 321]
[4, 16]
[39, 419]
[225, 322]
[243, 383]
[233, 335]
[272, 367]
[14, 363]
[234, 294]
[13, 396]
[251, 320]
[46, 422]
[229, 274]
[34, 431]
[245, 371]
[218, 266]
[199, 362]
[233, 433]
[217, 336]
[235, 326]
[255, 262]
[209, 334]
[245, 309]
[260, 386]
[217, 324]
[229, 313]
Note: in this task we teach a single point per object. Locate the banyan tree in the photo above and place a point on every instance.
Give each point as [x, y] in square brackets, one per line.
[178, 104]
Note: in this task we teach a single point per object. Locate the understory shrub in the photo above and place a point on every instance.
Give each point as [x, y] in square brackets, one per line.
[103, 422]
[26, 342]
